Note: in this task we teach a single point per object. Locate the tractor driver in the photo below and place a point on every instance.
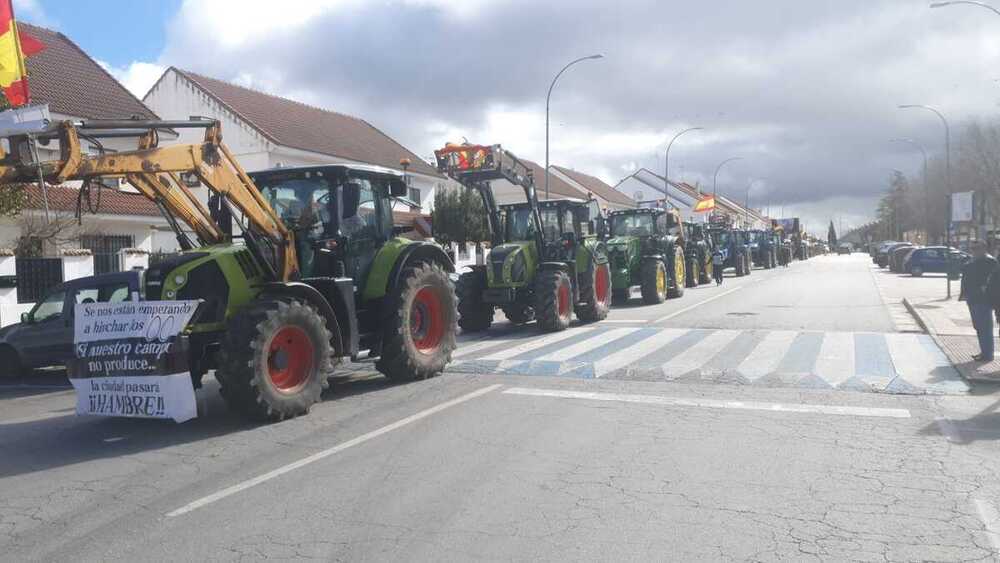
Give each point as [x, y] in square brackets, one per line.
[352, 222]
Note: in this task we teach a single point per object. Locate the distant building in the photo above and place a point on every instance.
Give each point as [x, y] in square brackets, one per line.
[605, 194]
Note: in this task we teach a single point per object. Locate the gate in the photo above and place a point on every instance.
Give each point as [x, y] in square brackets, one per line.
[107, 251]
[35, 276]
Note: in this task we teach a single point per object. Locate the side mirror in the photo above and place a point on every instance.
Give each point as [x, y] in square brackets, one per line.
[26, 317]
[602, 227]
[398, 187]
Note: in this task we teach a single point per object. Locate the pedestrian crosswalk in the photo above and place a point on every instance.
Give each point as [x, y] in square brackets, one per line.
[878, 362]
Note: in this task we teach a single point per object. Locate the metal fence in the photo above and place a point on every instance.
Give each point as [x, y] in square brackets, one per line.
[35, 276]
[107, 251]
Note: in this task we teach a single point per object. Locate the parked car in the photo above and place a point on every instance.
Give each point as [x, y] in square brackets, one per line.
[933, 259]
[897, 255]
[44, 337]
[844, 248]
[882, 257]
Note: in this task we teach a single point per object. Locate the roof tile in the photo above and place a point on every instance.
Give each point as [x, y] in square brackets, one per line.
[597, 187]
[113, 202]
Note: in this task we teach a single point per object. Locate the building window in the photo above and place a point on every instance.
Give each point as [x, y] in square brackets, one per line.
[106, 249]
[414, 195]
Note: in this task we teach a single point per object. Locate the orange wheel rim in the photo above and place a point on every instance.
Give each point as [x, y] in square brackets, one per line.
[290, 359]
[602, 284]
[427, 320]
[563, 298]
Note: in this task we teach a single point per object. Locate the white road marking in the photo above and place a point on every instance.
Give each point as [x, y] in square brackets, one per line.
[229, 491]
[713, 403]
[637, 351]
[477, 345]
[835, 363]
[535, 343]
[699, 354]
[36, 418]
[698, 304]
[68, 391]
[991, 521]
[625, 321]
[587, 344]
[767, 354]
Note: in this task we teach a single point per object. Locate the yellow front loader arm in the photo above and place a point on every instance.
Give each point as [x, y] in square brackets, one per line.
[157, 173]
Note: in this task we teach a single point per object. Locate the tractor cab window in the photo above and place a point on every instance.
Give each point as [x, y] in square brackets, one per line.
[550, 223]
[632, 225]
[567, 221]
[518, 223]
[359, 215]
[663, 222]
[720, 238]
[301, 202]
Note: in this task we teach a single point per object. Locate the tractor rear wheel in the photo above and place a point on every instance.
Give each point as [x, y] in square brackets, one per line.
[654, 281]
[274, 359]
[554, 295]
[705, 272]
[420, 337]
[678, 274]
[691, 272]
[474, 314]
[518, 313]
[595, 288]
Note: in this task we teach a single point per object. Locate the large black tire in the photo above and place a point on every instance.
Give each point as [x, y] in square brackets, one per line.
[595, 293]
[554, 300]
[691, 272]
[740, 266]
[705, 272]
[653, 278]
[418, 341]
[275, 358]
[678, 274]
[619, 296]
[747, 263]
[519, 313]
[473, 314]
[10, 363]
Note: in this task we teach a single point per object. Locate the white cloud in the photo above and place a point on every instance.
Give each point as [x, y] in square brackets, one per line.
[32, 11]
[138, 77]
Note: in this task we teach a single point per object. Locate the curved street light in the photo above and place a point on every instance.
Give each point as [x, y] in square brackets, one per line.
[666, 162]
[746, 201]
[547, 98]
[971, 2]
[715, 178]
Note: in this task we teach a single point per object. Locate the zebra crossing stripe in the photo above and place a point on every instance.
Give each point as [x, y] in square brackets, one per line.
[630, 354]
[835, 363]
[766, 356]
[699, 354]
[587, 344]
[536, 343]
[468, 349]
[872, 362]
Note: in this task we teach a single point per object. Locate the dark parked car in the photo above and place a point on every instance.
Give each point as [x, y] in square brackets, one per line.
[844, 248]
[882, 256]
[44, 337]
[933, 260]
[897, 256]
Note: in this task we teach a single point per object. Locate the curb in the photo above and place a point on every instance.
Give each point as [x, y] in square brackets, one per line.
[920, 320]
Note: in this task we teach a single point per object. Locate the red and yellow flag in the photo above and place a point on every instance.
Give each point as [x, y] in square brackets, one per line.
[14, 47]
[705, 204]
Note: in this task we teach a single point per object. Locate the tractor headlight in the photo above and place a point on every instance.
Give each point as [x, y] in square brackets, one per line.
[179, 279]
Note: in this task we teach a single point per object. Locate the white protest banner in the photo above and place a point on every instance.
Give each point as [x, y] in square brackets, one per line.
[961, 207]
[129, 360]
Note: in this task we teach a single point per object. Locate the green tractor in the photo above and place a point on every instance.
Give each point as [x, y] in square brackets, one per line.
[646, 249]
[315, 273]
[698, 249]
[546, 259]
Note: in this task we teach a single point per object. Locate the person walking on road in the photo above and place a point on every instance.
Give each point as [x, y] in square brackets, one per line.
[718, 265]
[975, 279]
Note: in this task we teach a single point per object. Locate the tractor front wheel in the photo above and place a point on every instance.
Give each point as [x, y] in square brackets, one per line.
[420, 337]
[274, 360]
[595, 288]
[654, 281]
[691, 272]
[474, 314]
[705, 272]
[554, 294]
[679, 275]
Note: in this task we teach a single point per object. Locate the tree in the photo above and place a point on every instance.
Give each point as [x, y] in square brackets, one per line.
[831, 235]
[458, 216]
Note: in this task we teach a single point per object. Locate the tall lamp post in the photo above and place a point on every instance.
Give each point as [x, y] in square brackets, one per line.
[953, 2]
[947, 182]
[746, 201]
[715, 178]
[927, 197]
[548, 97]
[666, 162]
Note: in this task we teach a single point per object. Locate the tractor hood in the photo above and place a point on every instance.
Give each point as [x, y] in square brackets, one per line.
[512, 264]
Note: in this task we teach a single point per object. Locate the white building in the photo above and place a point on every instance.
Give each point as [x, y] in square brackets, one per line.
[267, 131]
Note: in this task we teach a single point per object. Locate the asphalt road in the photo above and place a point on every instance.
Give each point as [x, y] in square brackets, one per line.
[500, 466]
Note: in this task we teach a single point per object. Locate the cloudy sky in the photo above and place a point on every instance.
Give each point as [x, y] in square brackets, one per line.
[804, 90]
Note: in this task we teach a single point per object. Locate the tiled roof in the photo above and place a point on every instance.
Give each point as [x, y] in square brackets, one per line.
[73, 84]
[597, 187]
[557, 186]
[297, 125]
[113, 202]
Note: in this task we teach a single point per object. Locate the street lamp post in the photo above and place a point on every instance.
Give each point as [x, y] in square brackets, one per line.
[666, 163]
[715, 178]
[547, 99]
[746, 200]
[947, 182]
[971, 2]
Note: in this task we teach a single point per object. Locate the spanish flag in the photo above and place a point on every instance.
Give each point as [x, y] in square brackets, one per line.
[14, 47]
[705, 204]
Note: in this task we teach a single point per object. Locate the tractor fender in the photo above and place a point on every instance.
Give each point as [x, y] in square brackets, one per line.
[312, 296]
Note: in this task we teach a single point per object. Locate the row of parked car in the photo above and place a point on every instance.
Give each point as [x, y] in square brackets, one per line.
[908, 258]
